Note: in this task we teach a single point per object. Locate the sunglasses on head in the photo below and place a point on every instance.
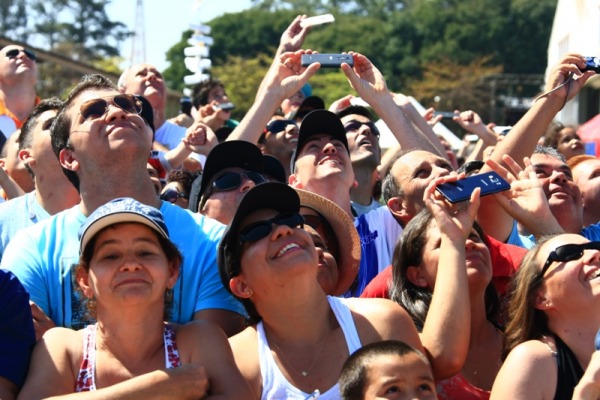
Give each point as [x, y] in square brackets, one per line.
[354, 126]
[14, 53]
[568, 252]
[261, 229]
[279, 125]
[171, 195]
[233, 180]
[96, 108]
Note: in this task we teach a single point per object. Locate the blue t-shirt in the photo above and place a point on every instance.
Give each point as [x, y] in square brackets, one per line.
[19, 213]
[17, 336]
[591, 232]
[379, 231]
[43, 257]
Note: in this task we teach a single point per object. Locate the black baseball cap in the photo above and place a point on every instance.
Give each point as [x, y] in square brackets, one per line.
[230, 154]
[319, 122]
[309, 104]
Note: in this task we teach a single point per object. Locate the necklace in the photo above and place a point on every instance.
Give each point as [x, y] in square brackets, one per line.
[306, 372]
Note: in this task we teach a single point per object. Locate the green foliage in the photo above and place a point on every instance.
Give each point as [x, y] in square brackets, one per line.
[176, 71]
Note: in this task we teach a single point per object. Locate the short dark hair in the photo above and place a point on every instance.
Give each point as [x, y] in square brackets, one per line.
[202, 90]
[358, 110]
[353, 377]
[61, 127]
[25, 139]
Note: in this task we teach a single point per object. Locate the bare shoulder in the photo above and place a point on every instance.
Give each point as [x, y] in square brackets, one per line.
[245, 353]
[382, 319]
[529, 372]
[60, 339]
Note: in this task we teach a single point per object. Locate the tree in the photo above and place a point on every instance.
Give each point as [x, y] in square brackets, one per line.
[13, 19]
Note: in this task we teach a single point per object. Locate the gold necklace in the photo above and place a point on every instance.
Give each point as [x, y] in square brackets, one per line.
[306, 372]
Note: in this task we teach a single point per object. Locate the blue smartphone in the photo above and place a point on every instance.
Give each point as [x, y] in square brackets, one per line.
[489, 182]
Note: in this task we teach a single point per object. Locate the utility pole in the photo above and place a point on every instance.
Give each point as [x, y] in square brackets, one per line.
[138, 42]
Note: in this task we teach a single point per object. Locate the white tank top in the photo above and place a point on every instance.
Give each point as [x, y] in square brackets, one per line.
[275, 385]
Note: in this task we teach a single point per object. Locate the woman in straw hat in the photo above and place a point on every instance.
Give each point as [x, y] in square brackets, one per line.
[127, 269]
[299, 337]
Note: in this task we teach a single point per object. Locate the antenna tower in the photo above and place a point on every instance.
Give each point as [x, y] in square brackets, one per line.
[138, 42]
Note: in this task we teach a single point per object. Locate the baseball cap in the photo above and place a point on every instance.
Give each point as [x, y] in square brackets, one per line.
[274, 168]
[346, 235]
[230, 154]
[309, 104]
[123, 209]
[319, 122]
[271, 195]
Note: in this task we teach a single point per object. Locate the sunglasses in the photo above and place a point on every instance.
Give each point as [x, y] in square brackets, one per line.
[14, 53]
[96, 108]
[261, 229]
[568, 252]
[171, 195]
[279, 125]
[354, 126]
[233, 180]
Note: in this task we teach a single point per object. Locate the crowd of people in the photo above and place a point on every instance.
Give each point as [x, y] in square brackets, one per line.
[287, 255]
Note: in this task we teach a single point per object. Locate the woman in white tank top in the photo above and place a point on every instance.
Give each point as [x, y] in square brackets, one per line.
[299, 337]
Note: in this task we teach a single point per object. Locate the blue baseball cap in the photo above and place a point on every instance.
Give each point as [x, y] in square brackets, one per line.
[123, 209]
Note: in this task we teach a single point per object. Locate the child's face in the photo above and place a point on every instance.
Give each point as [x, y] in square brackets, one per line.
[400, 378]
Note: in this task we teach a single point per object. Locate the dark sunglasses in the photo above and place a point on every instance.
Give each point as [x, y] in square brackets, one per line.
[260, 229]
[14, 53]
[568, 252]
[279, 125]
[233, 180]
[354, 126]
[96, 108]
[171, 195]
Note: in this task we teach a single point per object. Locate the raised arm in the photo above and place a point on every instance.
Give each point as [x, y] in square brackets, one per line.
[199, 138]
[565, 81]
[369, 83]
[446, 331]
[283, 79]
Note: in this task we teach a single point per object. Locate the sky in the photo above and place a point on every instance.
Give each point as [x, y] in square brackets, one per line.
[165, 21]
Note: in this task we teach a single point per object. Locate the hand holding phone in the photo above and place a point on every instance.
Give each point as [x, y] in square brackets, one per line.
[327, 60]
[489, 182]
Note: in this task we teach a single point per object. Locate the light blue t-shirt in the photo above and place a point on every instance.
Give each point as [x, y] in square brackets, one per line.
[43, 257]
[19, 213]
[591, 232]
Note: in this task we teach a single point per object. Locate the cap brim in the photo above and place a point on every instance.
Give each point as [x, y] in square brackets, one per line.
[347, 236]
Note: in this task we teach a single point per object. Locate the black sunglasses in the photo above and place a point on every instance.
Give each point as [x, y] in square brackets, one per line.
[354, 126]
[96, 108]
[171, 195]
[568, 252]
[233, 180]
[279, 125]
[260, 229]
[14, 53]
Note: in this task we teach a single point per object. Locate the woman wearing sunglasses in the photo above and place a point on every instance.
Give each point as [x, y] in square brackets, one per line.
[127, 270]
[553, 320]
[299, 337]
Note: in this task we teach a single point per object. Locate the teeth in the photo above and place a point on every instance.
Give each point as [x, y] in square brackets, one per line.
[286, 248]
[594, 275]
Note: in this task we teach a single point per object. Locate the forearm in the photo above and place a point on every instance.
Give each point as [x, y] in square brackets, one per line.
[257, 117]
[446, 331]
[422, 126]
[10, 187]
[177, 156]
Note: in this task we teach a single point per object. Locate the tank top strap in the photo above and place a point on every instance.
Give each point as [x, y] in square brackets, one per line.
[87, 369]
[171, 354]
[344, 317]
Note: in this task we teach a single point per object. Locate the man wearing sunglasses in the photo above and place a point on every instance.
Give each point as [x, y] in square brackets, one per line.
[365, 154]
[102, 139]
[279, 140]
[18, 77]
[232, 168]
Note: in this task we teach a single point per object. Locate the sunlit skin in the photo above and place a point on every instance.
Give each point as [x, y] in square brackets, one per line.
[362, 143]
[282, 144]
[327, 274]
[395, 377]
[20, 66]
[217, 95]
[569, 285]
[586, 176]
[222, 205]
[146, 80]
[128, 267]
[292, 103]
[569, 143]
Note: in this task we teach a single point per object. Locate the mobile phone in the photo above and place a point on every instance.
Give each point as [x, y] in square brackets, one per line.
[445, 114]
[224, 106]
[489, 182]
[592, 64]
[327, 60]
[317, 20]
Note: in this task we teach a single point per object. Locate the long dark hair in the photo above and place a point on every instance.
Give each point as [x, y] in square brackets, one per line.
[409, 252]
